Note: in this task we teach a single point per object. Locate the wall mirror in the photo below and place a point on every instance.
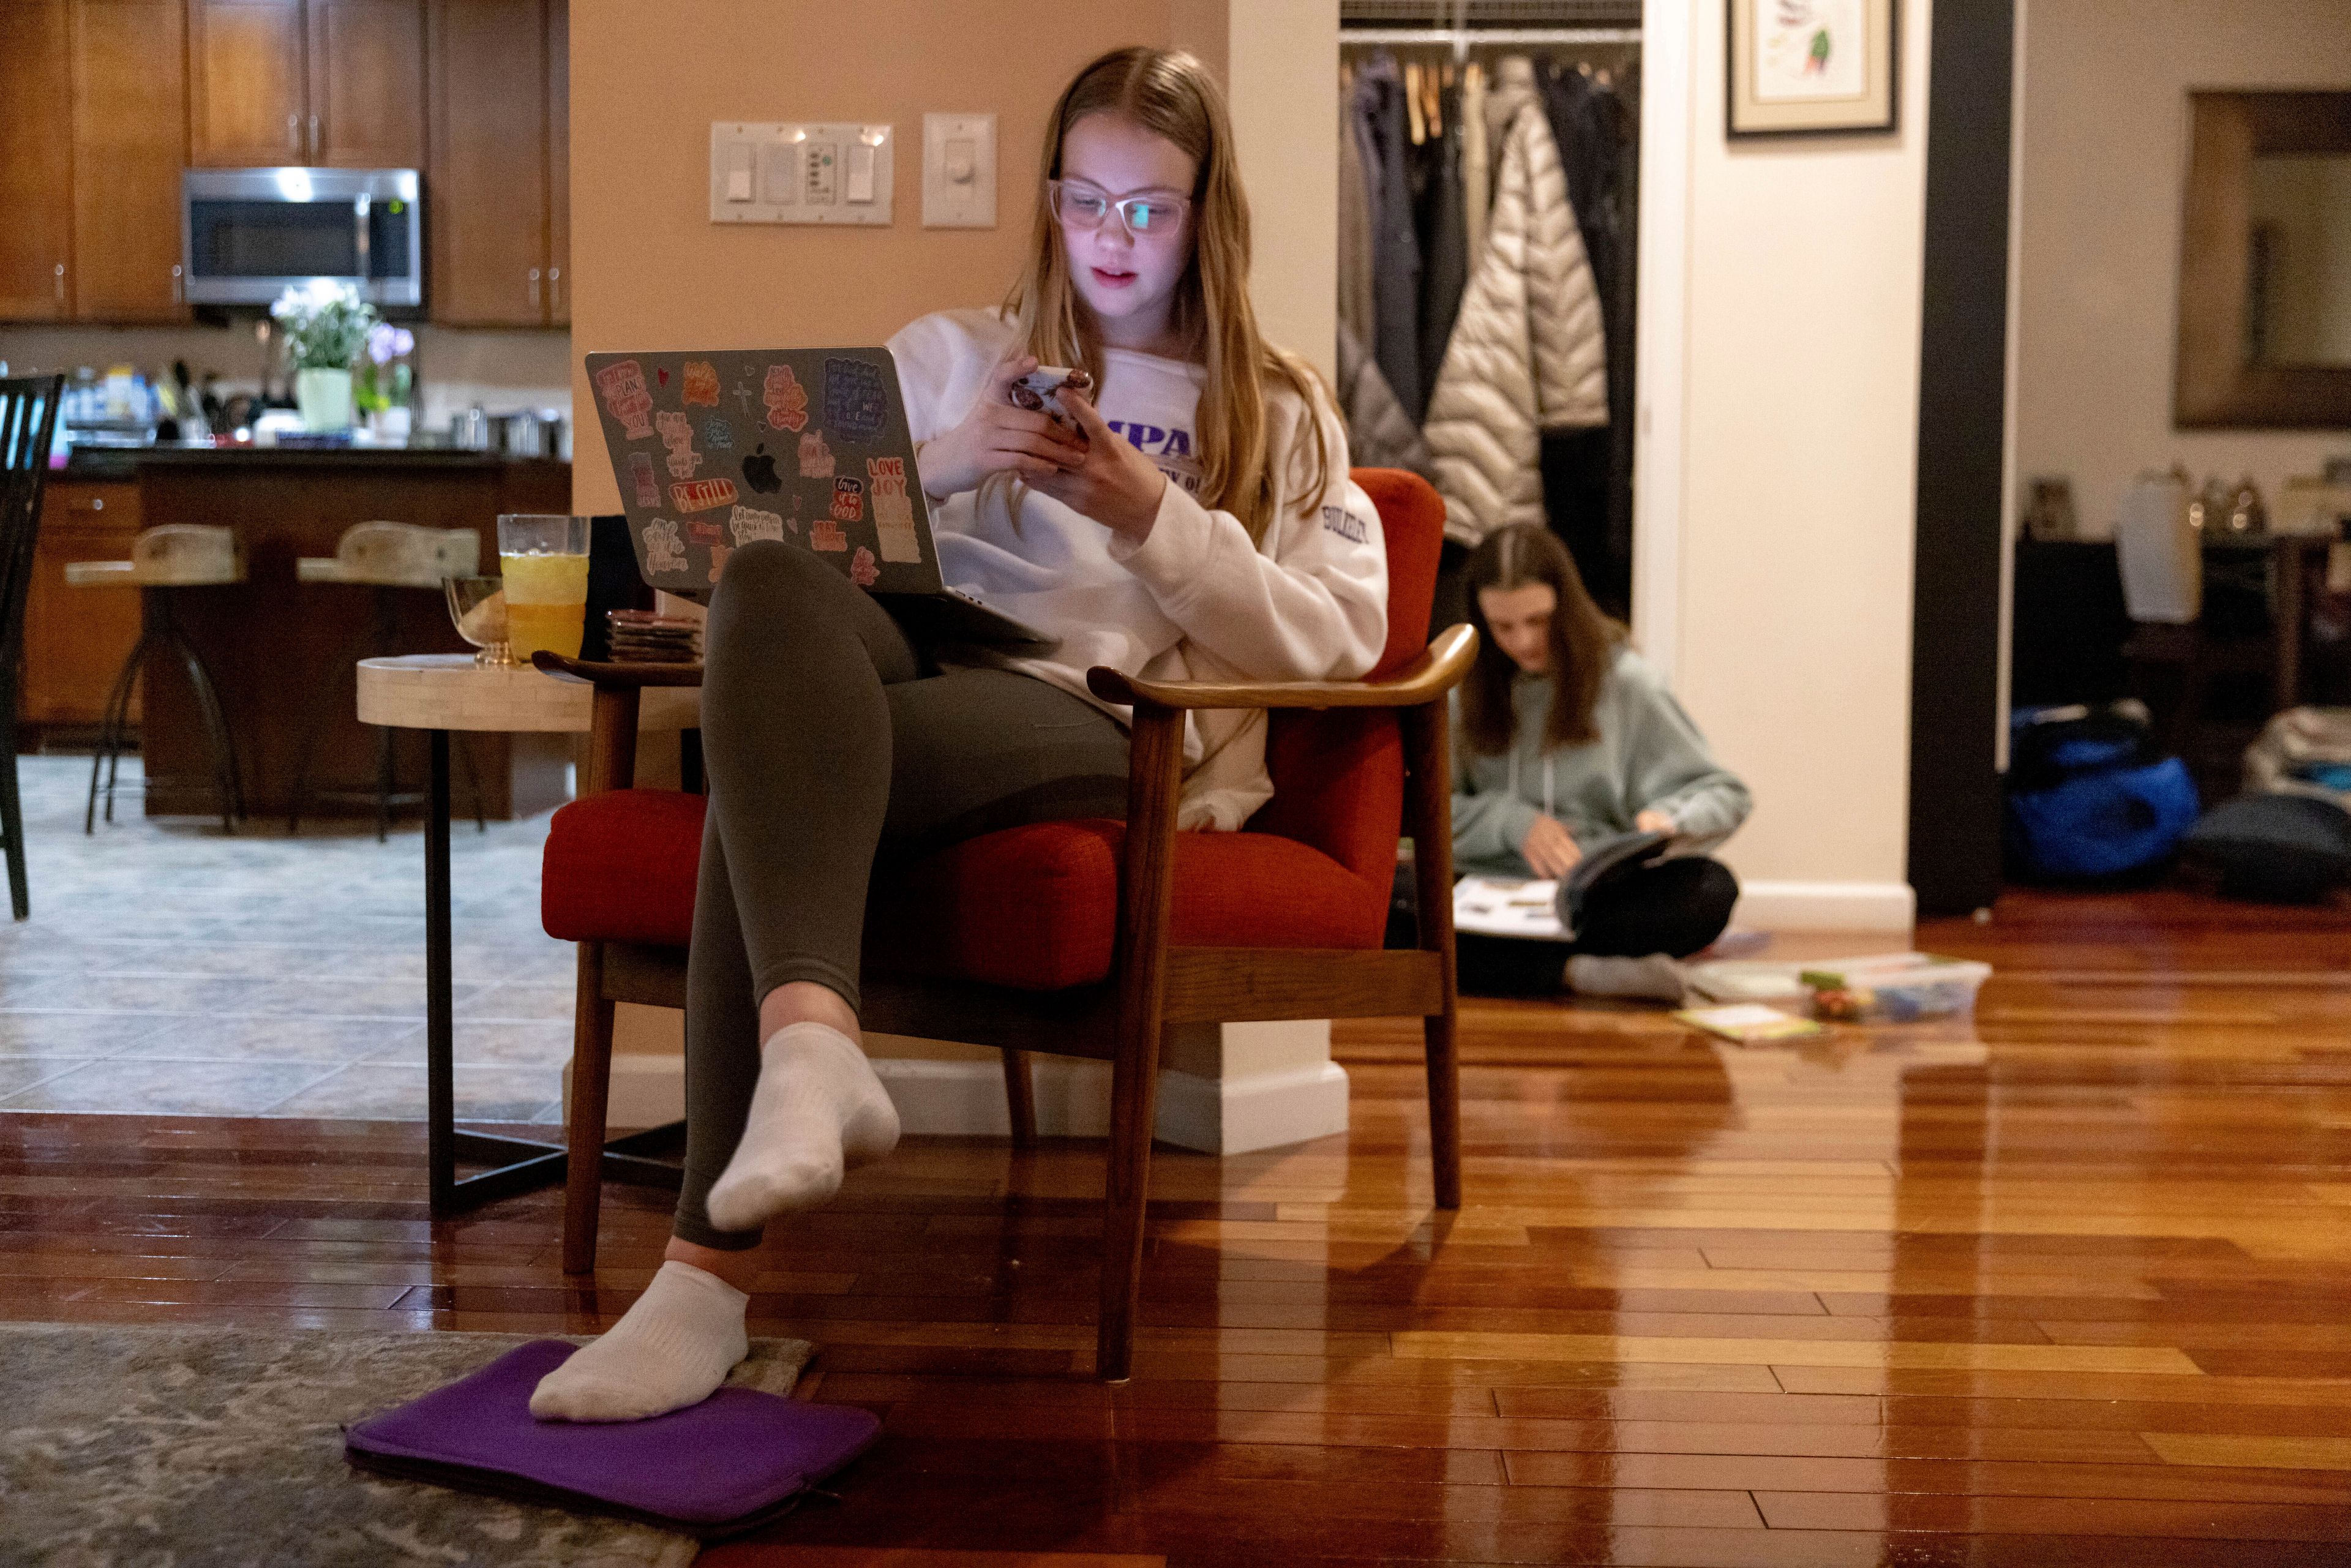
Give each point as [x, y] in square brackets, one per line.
[2265, 262]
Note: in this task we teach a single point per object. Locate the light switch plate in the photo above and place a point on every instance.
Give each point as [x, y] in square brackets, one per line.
[959, 170]
[800, 172]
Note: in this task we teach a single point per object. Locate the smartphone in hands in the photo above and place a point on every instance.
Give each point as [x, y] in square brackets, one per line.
[1039, 392]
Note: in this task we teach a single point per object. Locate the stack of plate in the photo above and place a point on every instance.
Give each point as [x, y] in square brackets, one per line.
[641, 637]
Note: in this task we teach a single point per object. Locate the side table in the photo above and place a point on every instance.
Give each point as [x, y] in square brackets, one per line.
[438, 692]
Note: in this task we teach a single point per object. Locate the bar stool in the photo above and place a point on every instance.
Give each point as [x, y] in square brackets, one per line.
[163, 562]
[387, 558]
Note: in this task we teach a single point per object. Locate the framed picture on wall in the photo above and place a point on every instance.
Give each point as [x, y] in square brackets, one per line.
[1811, 67]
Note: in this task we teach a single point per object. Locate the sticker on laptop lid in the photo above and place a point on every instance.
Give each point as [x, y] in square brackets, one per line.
[855, 401]
[626, 397]
[718, 554]
[664, 551]
[848, 500]
[701, 494]
[748, 523]
[816, 458]
[677, 434]
[862, 570]
[701, 383]
[893, 511]
[717, 434]
[786, 400]
[641, 475]
[824, 533]
[705, 531]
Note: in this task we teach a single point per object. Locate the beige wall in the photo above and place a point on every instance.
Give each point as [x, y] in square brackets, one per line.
[649, 267]
[1784, 615]
[2105, 116]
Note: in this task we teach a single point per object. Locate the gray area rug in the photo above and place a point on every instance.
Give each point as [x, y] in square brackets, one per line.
[124, 1446]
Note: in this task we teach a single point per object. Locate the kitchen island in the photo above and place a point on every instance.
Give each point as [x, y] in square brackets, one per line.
[279, 649]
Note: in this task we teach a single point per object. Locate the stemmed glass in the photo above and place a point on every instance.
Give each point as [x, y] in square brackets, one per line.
[478, 607]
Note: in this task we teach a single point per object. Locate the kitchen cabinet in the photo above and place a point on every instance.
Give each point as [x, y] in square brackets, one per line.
[367, 83]
[500, 151]
[130, 143]
[323, 83]
[35, 163]
[558, 163]
[76, 638]
[246, 104]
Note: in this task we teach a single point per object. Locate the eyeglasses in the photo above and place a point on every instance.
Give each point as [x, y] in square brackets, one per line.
[1144, 218]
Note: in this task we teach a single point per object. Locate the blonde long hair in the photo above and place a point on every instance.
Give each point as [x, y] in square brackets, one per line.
[1171, 94]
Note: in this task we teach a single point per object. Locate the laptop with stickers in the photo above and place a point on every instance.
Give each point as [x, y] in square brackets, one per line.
[715, 449]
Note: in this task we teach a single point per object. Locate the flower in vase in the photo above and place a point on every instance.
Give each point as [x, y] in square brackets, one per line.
[326, 324]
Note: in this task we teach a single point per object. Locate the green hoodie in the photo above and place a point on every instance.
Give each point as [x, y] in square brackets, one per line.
[1648, 756]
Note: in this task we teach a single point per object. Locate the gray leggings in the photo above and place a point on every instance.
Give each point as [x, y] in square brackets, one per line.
[825, 743]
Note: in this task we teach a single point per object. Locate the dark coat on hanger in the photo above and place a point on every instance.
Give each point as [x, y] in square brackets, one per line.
[1447, 250]
[1380, 435]
[1395, 247]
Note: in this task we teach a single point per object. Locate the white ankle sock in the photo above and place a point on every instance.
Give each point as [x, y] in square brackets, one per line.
[1657, 977]
[819, 1111]
[669, 1349]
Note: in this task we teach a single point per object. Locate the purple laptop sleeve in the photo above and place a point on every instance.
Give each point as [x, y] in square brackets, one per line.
[733, 1461]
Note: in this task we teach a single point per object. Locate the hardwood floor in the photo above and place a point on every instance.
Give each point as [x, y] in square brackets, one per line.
[2067, 1287]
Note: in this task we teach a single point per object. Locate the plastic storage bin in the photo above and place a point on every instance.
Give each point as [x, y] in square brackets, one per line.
[1896, 993]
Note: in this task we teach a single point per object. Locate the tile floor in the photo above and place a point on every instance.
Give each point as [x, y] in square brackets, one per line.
[169, 970]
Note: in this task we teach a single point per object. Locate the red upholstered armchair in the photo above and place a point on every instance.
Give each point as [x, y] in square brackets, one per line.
[1094, 935]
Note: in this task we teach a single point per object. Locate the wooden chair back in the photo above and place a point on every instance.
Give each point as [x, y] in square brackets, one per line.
[28, 413]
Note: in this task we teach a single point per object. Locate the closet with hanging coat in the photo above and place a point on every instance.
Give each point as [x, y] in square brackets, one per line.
[1488, 173]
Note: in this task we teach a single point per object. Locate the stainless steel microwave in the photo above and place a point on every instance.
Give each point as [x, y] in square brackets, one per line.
[246, 234]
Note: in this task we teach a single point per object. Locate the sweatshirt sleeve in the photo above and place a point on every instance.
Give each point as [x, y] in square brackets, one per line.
[943, 361]
[1489, 826]
[1670, 769]
[1311, 604]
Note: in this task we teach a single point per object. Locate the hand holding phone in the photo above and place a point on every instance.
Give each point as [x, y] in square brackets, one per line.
[1003, 434]
[1039, 392]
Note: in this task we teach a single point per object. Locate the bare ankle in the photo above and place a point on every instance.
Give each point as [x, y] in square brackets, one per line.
[737, 1269]
[805, 1001]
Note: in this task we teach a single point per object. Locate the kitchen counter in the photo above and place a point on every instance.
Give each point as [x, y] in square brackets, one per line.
[280, 650]
[102, 463]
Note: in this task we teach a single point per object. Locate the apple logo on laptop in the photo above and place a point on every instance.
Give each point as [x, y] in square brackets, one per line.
[759, 472]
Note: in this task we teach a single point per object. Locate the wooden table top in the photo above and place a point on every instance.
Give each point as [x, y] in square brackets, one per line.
[449, 691]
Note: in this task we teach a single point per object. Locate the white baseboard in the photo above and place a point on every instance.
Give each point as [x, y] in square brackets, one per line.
[1216, 1116]
[1860, 906]
[966, 1099]
[647, 1090]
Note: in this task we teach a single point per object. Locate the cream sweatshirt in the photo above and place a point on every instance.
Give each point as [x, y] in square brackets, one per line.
[1195, 600]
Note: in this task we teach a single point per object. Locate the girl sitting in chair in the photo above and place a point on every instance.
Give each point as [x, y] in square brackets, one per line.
[1563, 737]
[1196, 522]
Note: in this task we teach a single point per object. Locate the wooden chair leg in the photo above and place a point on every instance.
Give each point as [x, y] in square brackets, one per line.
[1429, 805]
[592, 1086]
[1133, 1093]
[1139, 960]
[1020, 1098]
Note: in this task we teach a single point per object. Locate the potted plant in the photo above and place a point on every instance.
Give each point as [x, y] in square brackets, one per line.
[385, 381]
[325, 326]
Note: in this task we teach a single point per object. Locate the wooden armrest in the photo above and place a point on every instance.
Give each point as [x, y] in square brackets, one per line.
[1426, 680]
[602, 674]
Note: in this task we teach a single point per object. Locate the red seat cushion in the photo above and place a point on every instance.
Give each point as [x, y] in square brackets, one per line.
[1035, 907]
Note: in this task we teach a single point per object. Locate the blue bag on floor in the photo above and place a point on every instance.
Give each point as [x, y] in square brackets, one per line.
[2089, 795]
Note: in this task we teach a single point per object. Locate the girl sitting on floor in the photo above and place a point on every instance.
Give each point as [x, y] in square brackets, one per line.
[1564, 737]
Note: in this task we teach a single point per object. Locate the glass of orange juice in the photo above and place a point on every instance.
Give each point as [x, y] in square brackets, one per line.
[544, 560]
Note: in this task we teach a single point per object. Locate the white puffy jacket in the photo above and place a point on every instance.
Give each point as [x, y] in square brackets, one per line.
[1527, 354]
